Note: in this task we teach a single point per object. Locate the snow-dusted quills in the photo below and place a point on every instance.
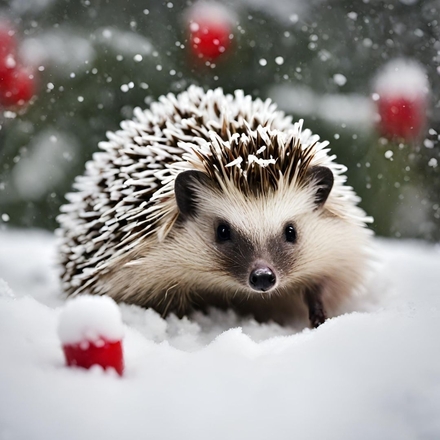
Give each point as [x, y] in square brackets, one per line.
[219, 200]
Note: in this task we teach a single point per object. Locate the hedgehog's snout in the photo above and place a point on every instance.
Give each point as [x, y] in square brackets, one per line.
[262, 279]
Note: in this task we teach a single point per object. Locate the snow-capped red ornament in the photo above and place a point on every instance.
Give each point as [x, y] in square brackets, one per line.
[210, 28]
[401, 92]
[90, 329]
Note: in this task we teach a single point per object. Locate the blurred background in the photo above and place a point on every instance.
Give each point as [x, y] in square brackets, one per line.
[364, 75]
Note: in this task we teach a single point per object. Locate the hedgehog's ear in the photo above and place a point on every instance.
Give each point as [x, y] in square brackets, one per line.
[322, 180]
[185, 190]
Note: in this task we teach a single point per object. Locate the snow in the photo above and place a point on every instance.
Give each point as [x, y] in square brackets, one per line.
[63, 49]
[20, 7]
[433, 162]
[202, 13]
[71, 53]
[339, 79]
[352, 109]
[49, 149]
[285, 11]
[402, 77]
[123, 42]
[364, 375]
[90, 318]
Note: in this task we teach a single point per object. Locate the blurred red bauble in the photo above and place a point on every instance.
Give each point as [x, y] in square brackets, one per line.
[17, 87]
[209, 40]
[210, 29]
[401, 117]
[401, 92]
[17, 83]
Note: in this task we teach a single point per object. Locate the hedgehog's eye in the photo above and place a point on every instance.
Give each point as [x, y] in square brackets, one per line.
[223, 232]
[290, 233]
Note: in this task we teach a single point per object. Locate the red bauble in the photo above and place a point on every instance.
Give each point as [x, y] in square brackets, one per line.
[210, 28]
[209, 41]
[104, 353]
[17, 87]
[17, 83]
[402, 117]
[402, 98]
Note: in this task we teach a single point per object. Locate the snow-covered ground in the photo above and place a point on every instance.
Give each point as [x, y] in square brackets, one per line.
[364, 375]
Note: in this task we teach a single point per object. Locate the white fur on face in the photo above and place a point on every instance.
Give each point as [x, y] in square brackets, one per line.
[259, 216]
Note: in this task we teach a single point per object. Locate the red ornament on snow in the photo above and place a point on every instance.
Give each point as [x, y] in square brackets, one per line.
[17, 83]
[86, 354]
[90, 330]
[210, 28]
[402, 99]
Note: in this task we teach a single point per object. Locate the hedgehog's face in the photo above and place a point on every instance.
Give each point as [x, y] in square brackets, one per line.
[257, 264]
[256, 242]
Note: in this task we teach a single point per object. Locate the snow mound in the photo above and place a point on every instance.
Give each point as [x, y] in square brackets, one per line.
[5, 290]
[363, 375]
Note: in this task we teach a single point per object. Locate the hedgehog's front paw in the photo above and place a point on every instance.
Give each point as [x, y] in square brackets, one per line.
[317, 315]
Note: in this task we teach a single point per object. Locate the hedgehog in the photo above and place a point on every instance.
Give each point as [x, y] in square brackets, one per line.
[215, 200]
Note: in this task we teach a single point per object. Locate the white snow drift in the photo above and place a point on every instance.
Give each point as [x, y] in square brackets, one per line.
[364, 375]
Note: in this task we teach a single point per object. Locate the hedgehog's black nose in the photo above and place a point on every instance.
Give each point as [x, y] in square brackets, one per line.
[262, 279]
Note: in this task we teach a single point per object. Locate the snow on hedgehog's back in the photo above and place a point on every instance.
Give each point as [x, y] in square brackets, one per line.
[218, 200]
